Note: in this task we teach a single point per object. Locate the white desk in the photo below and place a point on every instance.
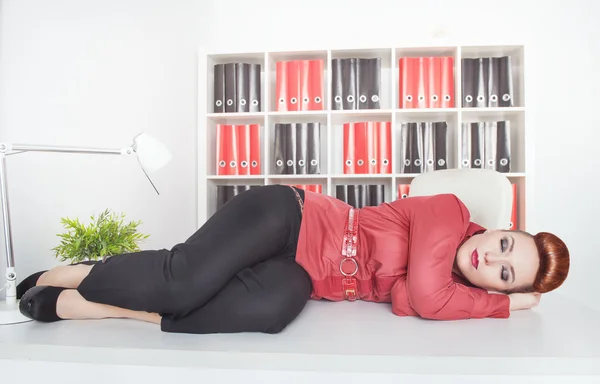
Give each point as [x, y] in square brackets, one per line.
[350, 339]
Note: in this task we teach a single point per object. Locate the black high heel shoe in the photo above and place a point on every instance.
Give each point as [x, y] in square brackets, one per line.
[39, 303]
[28, 283]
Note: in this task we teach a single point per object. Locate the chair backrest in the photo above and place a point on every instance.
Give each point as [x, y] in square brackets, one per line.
[486, 193]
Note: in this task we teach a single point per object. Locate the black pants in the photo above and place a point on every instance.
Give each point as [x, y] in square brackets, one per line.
[237, 273]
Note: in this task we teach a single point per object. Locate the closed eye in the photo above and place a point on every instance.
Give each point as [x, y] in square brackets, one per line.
[503, 244]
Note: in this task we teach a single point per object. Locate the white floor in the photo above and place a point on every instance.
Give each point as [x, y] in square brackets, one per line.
[558, 338]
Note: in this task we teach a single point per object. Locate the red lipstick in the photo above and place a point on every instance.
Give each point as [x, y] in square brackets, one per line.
[475, 258]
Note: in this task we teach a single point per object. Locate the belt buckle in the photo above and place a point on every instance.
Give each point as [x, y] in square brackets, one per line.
[349, 281]
[349, 287]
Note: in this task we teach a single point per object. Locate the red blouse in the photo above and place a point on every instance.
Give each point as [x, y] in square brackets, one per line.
[405, 254]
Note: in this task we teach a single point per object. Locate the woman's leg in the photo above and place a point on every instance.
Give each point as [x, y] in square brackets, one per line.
[263, 298]
[65, 276]
[255, 226]
[61, 276]
[72, 306]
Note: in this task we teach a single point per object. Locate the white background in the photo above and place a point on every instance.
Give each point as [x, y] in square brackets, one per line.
[99, 71]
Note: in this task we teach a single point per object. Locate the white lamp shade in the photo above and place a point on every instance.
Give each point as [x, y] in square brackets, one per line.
[151, 153]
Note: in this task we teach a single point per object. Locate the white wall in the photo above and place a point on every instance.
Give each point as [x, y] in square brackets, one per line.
[99, 71]
[96, 73]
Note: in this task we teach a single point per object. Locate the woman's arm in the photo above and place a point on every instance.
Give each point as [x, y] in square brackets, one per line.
[436, 226]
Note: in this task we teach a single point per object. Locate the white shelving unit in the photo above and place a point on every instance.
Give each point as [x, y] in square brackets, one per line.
[332, 121]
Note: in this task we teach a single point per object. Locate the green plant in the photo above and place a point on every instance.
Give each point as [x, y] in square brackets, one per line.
[106, 235]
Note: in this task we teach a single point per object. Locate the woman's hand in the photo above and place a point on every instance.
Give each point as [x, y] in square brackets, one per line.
[519, 301]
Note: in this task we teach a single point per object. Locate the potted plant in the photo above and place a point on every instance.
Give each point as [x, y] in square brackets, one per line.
[106, 235]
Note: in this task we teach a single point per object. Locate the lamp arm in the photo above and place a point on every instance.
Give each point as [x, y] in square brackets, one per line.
[7, 148]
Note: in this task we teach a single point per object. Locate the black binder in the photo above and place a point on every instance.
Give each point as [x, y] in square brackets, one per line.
[483, 69]
[491, 144]
[231, 87]
[469, 82]
[280, 149]
[255, 88]
[290, 149]
[465, 145]
[219, 88]
[505, 83]
[441, 144]
[243, 87]
[503, 151]
[301, 148]
[376, 194]
[353, 196]
[428, 147]
[363, 83]
[337, 85]
[314, 148]
[375, 84]
[405, 136]
[341, 192]
[349, 77]
[416, 147]
[493, 82]
[477, 150]
[472, 145]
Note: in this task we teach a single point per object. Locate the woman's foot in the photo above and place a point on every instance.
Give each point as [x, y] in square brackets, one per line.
[39, 303]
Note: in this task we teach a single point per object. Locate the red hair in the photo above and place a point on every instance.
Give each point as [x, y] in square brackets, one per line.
[554, 262]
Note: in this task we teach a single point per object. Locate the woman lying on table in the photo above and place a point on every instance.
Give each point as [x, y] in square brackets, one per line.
[257, 261]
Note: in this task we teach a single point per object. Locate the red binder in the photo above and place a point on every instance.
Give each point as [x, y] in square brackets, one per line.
[255, 166]
[294, 100]
[434, 65]
[281, 84]
[318, 188]
[222, 156]
[447, 82]
[234, 161]
[349, 149]
[227, 149]
[513, 220]
[361, 154]
[422, 73]
[384, 155]
[243, 149]
[305, 85]
[317, 86]
[403, 191]
[407, 83]
[373, 150]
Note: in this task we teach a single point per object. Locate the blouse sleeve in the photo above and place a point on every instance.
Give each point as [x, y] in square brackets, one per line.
[436, 227]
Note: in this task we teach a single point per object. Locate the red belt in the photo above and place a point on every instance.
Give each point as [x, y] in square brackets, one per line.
[348, 265]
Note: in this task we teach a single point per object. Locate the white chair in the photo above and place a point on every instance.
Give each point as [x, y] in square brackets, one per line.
[486, 193]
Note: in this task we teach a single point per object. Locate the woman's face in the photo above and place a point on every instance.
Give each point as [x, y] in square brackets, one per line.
[499, 260]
